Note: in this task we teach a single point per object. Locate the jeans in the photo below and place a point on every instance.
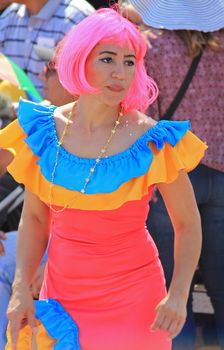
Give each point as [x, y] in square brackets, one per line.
[208, 185]
[7, 273]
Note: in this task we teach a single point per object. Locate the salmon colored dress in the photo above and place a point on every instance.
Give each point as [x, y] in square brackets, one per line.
[103, 278]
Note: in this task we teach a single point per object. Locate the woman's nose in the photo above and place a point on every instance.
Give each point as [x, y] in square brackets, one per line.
[118, 72]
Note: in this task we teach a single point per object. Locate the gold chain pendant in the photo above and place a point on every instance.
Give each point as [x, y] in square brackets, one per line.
[100, 155]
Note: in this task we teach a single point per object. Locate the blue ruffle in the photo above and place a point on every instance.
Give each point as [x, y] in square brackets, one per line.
[37, 121]
[58, 324]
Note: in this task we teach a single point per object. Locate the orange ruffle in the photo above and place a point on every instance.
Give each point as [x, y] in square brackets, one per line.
[164, 169]
[27, 341]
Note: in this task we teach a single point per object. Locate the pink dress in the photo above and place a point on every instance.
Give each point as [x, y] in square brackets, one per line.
[107, 275]
[103, 266]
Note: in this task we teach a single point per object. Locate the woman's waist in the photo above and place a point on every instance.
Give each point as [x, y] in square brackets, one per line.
[98, 259]
[98, 231]
[128, 218]
[102, 237]
[96, 286]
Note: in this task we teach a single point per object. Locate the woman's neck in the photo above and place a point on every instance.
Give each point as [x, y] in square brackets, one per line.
[90, 114]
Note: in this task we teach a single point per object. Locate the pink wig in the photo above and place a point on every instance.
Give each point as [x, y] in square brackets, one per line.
[104, 26]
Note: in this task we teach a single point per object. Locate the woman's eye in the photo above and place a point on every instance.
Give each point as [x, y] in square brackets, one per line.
[106, 59]
[129, 63]
[109, 60]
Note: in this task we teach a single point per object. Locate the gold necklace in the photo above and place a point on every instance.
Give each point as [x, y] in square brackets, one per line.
[100, 155]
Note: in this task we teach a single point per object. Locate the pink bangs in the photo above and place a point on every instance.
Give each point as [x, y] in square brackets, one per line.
[104, 26]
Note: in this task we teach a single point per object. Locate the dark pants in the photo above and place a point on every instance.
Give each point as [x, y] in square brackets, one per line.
[209, 191]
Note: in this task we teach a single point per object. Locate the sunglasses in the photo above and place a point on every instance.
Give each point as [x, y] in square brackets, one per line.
[49, 69]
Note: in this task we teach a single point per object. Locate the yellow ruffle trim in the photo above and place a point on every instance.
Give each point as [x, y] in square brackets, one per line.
[27, 341]
[164, 168]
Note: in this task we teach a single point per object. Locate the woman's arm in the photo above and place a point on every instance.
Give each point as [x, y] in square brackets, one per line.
[182, 208]
[5, 158]
[32, 238]
[32, 242]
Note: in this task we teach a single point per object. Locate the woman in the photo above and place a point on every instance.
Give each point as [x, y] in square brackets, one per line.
[89, 168]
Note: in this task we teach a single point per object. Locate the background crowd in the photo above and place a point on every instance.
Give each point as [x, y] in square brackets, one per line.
[186, 59]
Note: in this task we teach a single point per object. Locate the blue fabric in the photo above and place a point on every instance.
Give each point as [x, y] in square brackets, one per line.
[37, 121]
[201, 15]
[58, 324]
[208, 185]
[7, 273]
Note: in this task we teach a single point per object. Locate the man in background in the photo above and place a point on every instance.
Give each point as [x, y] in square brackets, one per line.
[27, 23]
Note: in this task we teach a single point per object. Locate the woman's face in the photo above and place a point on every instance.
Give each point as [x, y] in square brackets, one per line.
[111, 69]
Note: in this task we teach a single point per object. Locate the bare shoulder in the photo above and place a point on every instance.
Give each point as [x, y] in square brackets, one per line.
[145, 121]
[61, 116]
[141, 122]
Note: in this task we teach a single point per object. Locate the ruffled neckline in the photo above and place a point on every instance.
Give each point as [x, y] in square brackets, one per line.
[125, 153]
[38, 122]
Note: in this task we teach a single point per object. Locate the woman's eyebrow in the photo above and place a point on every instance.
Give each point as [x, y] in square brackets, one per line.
[133, 56]
[115, 54]
[108, 52]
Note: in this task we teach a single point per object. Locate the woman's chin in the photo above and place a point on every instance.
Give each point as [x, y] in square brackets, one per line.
[112, 100]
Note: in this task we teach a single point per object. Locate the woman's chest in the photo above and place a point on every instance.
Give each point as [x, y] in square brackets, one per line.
[102, 142]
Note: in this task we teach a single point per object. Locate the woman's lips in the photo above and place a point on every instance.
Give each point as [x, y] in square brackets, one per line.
[115, 88]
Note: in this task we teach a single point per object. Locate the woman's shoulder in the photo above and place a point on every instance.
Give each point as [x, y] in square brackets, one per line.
[140, 122]
[39, 117]
[147, 130]
[61, 113]
[145, 121]
[61, 117]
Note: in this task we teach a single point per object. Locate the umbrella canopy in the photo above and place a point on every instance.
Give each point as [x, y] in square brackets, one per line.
[10, 71]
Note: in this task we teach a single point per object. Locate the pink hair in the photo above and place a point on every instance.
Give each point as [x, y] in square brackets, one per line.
[104, 26]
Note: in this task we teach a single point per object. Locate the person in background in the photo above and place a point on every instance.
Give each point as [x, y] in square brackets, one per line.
[97, 4]
[98, 161]
[6, 111]
[54, 92]
[4, 4]
[178, 33]
[9, 220]
[11, 198]
[43, 23]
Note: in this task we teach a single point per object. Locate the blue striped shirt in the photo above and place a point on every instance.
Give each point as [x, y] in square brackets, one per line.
[19, 32]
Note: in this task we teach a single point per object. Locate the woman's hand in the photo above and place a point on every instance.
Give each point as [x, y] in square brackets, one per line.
[170, 315]
[129, 12]
[20, 312]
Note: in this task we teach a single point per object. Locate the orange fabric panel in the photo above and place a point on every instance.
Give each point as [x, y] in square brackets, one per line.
[164, 168]
[27, 341]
